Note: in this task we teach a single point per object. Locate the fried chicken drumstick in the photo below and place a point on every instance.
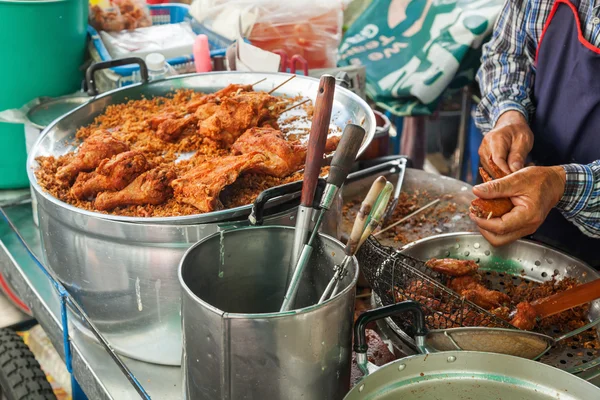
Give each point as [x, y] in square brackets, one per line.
[201, 186]
[230, 90]
[151, 187]
[100, 145]
[491, 208]
[283, 157]
[111, 175]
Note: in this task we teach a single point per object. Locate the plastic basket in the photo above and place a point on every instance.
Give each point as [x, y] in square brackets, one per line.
[163, 14]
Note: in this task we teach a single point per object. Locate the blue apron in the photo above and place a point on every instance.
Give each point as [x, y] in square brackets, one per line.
[566, 124]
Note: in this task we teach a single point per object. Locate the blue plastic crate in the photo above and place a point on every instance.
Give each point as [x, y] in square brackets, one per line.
[165, 14]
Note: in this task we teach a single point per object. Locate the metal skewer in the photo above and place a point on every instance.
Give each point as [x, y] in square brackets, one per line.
[360, 232]
[340, 167]
[420, 210]
[257, 82]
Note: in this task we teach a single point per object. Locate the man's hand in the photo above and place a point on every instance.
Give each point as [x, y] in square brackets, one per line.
[534, 191]
[508, 143]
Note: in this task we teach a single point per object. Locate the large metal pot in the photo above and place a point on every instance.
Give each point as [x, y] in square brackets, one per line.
[123, 269]
[237, 345]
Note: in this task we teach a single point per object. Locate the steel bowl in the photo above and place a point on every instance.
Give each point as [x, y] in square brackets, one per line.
[123, 270]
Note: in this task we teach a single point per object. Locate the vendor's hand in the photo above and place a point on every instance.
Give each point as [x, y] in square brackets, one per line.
[508, 143]
[534, 191]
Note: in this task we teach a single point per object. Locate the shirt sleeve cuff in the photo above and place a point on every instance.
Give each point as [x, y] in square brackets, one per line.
[578, 188]
[506, 106]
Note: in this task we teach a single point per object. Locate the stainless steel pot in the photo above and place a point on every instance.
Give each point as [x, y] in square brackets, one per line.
[470, 375]
[237, 345]
[123, 269]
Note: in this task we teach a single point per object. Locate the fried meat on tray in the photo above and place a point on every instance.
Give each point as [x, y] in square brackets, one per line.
[452, 267]
[237, 114]
[152, 187]
[230, 90]
[283, 157]
[99, 146]
[201, 186]
[111, 175]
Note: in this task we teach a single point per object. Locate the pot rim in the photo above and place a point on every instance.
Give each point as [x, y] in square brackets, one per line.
[185, 288]
[215, 216]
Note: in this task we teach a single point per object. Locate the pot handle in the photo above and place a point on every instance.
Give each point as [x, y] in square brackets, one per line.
[360, 328]
[256, 216]
[92, 90]
[377, 166]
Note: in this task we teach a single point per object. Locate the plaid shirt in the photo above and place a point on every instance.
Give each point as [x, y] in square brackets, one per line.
[580, 203]
[506, 81]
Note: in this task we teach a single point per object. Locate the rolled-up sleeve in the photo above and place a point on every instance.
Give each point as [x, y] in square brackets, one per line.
[506, 74]
[580, 202]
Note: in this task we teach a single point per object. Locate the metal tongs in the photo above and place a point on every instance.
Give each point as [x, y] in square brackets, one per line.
[340, 167]
[369, 217]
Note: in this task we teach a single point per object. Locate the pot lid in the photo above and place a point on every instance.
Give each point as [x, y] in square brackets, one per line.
[43, 114]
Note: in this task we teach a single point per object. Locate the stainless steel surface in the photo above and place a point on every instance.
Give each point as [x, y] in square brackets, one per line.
[303, 225]
[237, 345]
[525, 260]
[94, 370]
[124, 275]
[57, 139]
[46, 112]
[397, 190]
[122, 270]
[530, 345]
[429, 186]
[471, 375]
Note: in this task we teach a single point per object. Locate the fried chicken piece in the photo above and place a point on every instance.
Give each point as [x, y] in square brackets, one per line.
[152, 187]
[491, 208]
[201, 186]
[230, 90]
[465, 282]
[237, 114]
[501, 312]
[171, 129]
[452, 267]
[156, 120]
[485, 298]
[205, 111]
[100, 145]
[112, 174]
[283, 157]
[525, 316]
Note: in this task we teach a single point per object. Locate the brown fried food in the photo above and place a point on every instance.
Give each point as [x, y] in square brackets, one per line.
[525, 316]
[152, 187]
[171, 129]
[452, 267]
[205, 111]
[237, 114]
[485, 298]
[283, 157]
[501, 312]
[465, 282]
[491, 208]
[100, 145]
[112, 174]
[201, 186]
[156, 120]
[216, 97]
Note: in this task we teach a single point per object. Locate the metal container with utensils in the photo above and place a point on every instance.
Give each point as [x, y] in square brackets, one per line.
[237, 345]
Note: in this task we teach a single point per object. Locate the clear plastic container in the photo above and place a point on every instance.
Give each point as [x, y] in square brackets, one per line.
[158, 67]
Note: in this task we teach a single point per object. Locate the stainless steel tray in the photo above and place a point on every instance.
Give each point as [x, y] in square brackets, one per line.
[523, 259]
[57, 138]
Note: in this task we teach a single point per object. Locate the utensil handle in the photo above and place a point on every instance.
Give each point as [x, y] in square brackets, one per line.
[89, 74]
[317, 139]
[360, 326]
[364, 211]
[568, 299]
[345, 154]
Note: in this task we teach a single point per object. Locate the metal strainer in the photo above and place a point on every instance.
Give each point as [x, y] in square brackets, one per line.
[454, 323]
